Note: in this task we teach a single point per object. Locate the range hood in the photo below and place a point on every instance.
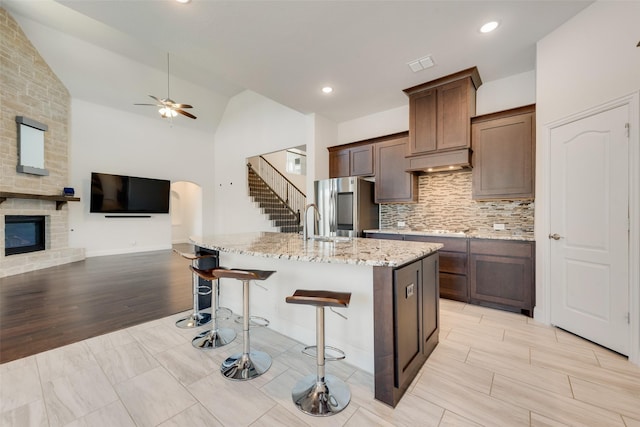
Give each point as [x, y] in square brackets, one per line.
[440, 162]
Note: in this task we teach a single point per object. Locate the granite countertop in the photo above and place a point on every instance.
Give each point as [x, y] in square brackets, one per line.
[498, 235]
[372, 252]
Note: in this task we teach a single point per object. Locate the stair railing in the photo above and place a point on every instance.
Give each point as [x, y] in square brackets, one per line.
[285, 190]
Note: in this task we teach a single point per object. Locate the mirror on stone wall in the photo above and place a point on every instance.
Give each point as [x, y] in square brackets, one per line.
[31, 146]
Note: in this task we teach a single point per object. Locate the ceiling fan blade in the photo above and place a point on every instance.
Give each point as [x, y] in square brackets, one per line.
[184, 113]
[182, 106]
[159, 100]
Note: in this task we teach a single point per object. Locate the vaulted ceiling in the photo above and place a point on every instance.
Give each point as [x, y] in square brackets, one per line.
[114, 52]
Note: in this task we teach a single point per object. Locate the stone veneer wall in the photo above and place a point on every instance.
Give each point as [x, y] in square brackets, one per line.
[445, 203]
[29, 88]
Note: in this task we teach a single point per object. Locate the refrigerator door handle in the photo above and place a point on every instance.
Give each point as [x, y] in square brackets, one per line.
[333, 208]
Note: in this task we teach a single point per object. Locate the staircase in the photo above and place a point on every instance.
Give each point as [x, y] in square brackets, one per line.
[280, 213]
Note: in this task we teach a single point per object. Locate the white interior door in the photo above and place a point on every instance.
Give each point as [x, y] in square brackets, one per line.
[589, 228]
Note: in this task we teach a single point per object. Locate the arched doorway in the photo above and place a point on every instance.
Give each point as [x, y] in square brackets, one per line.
[186, 211]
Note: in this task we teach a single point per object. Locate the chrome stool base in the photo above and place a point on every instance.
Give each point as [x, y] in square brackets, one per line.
[194, 320]
[213, 339]
[321, 398]
[246, 366]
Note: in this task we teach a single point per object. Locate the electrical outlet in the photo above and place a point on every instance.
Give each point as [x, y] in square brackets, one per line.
[498, 226]
[401, 224]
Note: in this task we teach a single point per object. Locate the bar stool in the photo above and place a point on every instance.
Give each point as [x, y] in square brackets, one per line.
[321, 395]
[215, 337]
[250, 363]
[196, 318]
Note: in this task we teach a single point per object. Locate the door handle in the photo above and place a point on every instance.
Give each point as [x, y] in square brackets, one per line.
[555, 236]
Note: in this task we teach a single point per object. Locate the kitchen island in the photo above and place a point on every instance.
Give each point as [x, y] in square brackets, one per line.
[392, 320]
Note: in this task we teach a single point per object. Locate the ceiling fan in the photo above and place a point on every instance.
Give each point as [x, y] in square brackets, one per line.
[168, 107]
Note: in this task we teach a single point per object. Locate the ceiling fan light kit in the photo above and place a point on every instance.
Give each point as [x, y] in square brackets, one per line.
[168, 108]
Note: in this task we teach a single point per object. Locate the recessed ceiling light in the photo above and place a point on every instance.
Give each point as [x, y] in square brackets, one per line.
[327, 89]
[183, 1]
[489, 26]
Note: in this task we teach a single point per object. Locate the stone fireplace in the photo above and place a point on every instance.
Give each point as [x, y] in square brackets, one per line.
[30, 88]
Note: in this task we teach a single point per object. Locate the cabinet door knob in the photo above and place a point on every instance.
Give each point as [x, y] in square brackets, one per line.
[555, 236]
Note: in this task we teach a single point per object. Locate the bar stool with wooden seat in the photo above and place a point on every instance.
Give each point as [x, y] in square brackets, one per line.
[196, 318]
[215, 337]
[250, 363]
[320, 394]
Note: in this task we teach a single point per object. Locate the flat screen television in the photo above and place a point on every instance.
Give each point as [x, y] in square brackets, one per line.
[128, 194]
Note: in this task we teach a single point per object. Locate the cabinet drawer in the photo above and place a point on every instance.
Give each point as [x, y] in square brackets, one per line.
[454, 286]
[501, 248]
[453, 262]
[451, 244]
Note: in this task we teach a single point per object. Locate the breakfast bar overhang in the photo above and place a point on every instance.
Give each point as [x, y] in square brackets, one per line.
[392, 321]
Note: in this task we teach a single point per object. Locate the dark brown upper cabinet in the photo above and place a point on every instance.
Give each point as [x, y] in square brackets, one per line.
[393, 184]
[351, 161]
[504, 154]
[384, 158]
[440, 113]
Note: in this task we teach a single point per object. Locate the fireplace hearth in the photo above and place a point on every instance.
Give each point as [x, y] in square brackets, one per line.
[24, 234]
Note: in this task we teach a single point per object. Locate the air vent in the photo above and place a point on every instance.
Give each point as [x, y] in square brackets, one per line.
[421, 64]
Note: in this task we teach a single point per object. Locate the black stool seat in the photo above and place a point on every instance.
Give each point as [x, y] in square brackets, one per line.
[323, 298]
[236, 273]
[204, 274]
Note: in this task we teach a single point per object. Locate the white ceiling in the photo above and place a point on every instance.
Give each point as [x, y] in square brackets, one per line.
[285, 50]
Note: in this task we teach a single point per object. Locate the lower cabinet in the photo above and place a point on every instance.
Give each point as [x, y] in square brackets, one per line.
[407, 313]
[415, 294]
[501, 274]
[453, 265]
[490, 272]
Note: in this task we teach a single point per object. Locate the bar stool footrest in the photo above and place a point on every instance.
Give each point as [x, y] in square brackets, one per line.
[223, 313]
[254, 321]
[207, 290]
[312, 351]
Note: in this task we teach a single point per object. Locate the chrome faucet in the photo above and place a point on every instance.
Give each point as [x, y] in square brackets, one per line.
[305, 233]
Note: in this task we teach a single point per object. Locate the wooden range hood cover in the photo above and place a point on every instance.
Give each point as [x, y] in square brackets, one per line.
[440, 162]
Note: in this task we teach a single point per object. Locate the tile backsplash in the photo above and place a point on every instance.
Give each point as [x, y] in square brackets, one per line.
[445, 203]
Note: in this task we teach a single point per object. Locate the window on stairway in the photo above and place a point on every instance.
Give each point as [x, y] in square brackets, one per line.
[296, 162]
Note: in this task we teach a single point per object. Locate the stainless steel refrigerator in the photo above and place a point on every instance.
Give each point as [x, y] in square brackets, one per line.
[346, 206]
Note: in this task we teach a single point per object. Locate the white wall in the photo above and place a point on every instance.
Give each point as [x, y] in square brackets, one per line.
[588, 61]
[374, 125]
[509, 92]
[251, 125]
[113, 141]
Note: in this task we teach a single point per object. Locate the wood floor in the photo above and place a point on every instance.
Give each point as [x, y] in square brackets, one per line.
[53, 307]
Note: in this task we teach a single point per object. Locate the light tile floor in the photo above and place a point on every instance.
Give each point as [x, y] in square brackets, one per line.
[491, 368]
